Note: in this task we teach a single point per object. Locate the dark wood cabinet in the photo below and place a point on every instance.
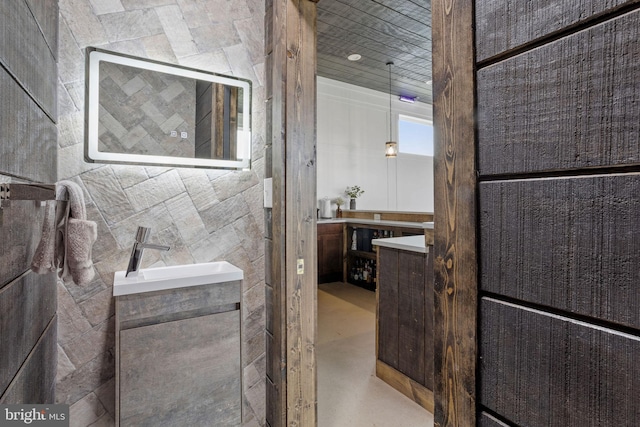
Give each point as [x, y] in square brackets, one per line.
[361, 265]
[339, 261]
[330, 252]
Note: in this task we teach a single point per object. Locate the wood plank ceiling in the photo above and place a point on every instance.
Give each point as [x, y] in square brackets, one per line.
[380, 31]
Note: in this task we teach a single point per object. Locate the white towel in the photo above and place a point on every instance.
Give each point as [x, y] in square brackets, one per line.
[67, 239]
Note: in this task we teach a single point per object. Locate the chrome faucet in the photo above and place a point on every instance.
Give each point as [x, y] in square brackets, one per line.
[138, 248]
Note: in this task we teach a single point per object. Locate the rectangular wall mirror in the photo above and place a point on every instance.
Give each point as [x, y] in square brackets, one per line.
[145, 112]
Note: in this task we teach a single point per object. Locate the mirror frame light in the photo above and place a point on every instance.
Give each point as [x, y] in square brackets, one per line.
[92, 86]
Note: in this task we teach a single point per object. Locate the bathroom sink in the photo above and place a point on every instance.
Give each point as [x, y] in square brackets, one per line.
[173, 277]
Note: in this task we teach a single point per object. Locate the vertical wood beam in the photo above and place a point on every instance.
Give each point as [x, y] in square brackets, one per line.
[217, 121]
[274, 252]
[293, 130]
[301, 230]
[455, 283]
[232, 136]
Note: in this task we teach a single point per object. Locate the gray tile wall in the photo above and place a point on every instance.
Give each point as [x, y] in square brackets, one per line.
[204, 215]
[28, 82]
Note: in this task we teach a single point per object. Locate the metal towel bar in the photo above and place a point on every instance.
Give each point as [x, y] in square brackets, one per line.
[14, 191]
[27, 191]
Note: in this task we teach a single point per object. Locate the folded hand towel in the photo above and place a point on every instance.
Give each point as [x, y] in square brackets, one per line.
[81, 234]
[68, 238]
[78, 238]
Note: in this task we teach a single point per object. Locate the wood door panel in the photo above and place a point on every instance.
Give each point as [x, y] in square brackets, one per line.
[428, 319]
[541, 369]
[388, 307]
[330, 257]
[572, 112]
[333, 253]
[486, 420]
[411, 315]
[558, 125]
[569, 243]
[502, 25]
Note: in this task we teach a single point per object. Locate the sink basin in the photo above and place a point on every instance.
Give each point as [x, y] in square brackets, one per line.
[174, 277]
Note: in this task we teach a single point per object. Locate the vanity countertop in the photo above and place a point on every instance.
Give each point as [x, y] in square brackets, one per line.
[405, 224]
[174, 277]
[407, 243]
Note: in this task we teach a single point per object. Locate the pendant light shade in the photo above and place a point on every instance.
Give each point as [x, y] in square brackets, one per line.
[391, 147]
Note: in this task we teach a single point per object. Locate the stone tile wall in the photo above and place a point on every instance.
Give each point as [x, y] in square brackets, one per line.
[204, 215]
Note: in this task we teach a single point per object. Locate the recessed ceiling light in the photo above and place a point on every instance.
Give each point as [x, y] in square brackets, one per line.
[354, 57]
[429, 82]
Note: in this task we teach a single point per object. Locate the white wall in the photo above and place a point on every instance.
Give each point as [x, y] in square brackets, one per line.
[353, 126]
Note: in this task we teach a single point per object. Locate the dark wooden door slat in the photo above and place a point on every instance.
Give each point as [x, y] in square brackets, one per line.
[566, 105]
[506, 24]
[541, 369]
[570, 243]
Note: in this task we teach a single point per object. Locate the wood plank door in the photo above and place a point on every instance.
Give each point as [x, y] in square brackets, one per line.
[552, 159]
[559, 195]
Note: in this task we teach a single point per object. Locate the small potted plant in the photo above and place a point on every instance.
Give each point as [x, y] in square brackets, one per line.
[339, 201]
[353, 193]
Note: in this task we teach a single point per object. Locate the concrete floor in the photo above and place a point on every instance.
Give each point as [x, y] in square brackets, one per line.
[349, 393]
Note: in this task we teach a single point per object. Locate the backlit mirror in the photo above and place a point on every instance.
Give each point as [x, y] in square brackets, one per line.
[140, 111]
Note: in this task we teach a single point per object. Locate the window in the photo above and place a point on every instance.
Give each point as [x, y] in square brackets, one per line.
[415, 136]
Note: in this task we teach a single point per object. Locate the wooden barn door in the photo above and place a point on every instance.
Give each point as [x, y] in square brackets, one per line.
[555, 203]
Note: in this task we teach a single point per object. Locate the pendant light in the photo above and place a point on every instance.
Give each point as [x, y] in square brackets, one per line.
[390, 147]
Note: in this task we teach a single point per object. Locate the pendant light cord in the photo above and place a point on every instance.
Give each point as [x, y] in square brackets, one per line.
[390, 63]
[395, 205]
